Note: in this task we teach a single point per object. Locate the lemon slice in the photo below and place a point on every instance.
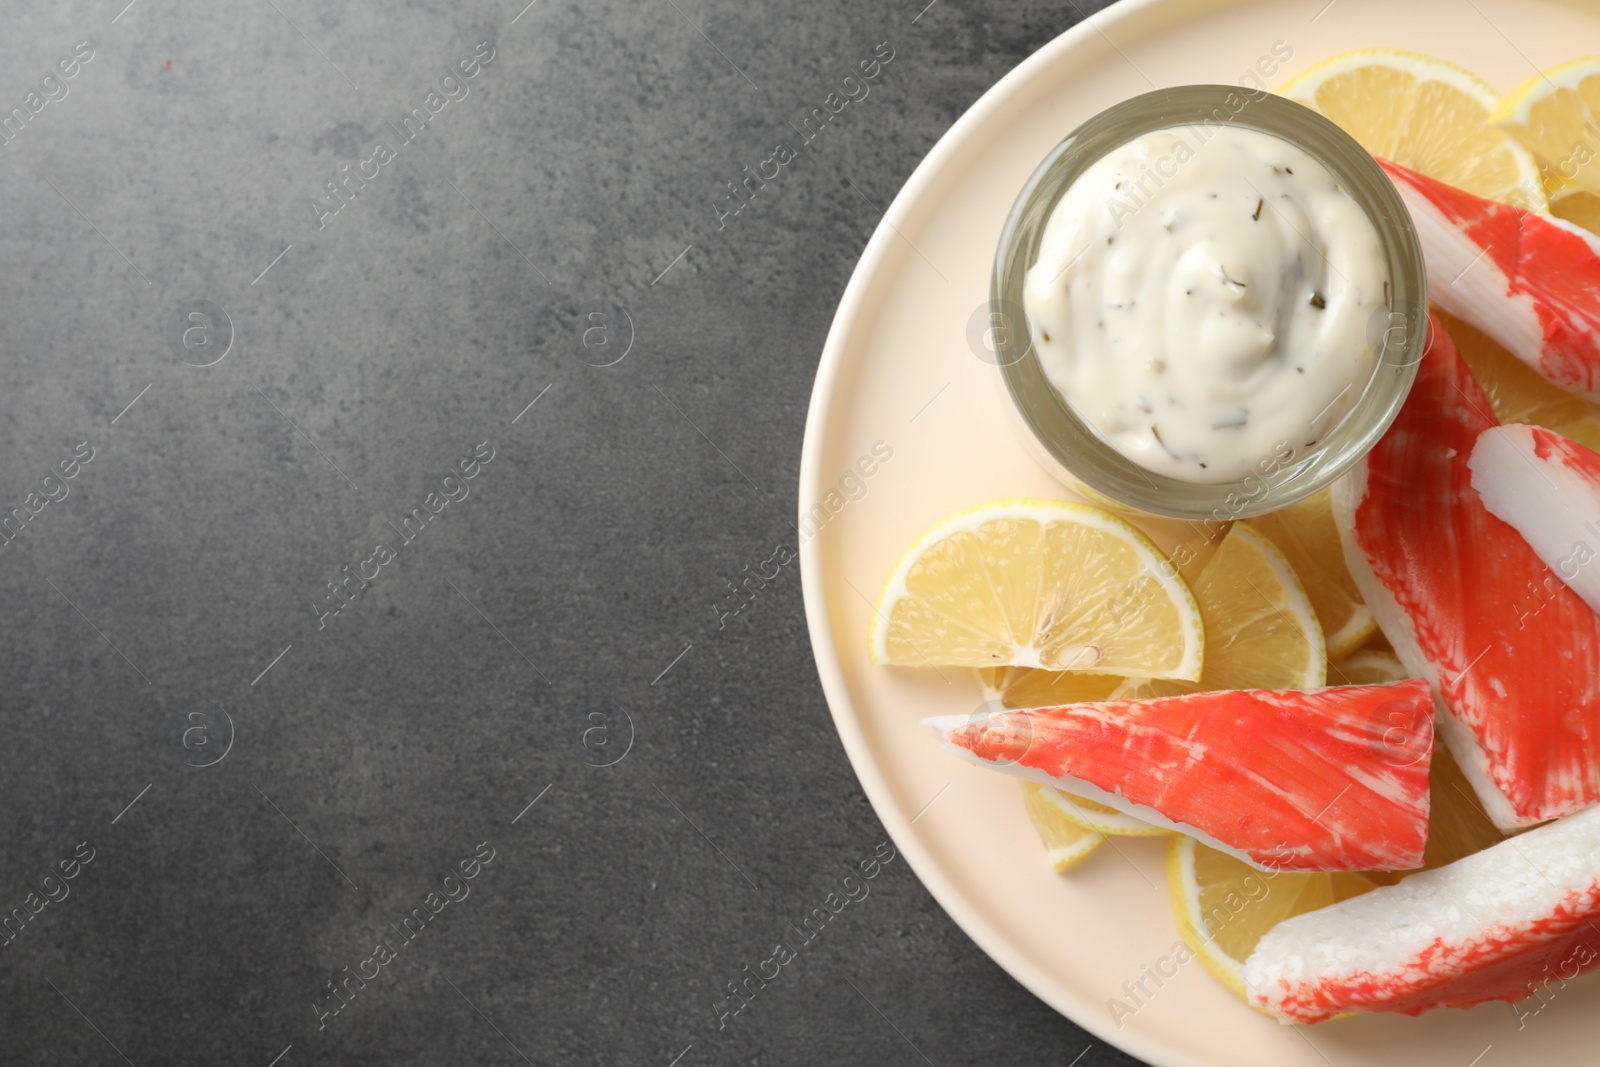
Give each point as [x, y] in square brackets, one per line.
[1261, 630]
[1368, 667]
[1425, 114]
[1457, 823]
[1022, 687]
[1556, 115]
[1025, 687]
[1578, 206]
[1036, 583]
[1066, 843]
[1379, 642]
[1517, 392]
[1224, 905]
[1306, 534]
[1189, 545]
[1103, 820]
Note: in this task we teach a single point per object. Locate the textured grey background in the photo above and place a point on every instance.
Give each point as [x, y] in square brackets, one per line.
[507, 650]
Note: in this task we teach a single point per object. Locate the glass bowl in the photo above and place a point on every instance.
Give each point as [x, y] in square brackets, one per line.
[1070, 448]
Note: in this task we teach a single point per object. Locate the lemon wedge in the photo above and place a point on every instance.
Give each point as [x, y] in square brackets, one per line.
[1517, 392]
[1578, 206]
[1025, 687]
[1261, 630]
[1037, 583]
[1369, 666]
[1306, 534]
[1457, 823]
[1224, 905]
[1066, 843]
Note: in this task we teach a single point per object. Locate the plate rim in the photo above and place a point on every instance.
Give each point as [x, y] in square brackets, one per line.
[829, 666]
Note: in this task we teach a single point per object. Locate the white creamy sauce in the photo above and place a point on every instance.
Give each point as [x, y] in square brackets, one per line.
[1204, 299]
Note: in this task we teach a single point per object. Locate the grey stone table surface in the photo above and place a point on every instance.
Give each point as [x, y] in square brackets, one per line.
[346, 535]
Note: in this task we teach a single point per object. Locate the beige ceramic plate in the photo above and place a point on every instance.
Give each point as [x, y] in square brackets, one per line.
[898, 371]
